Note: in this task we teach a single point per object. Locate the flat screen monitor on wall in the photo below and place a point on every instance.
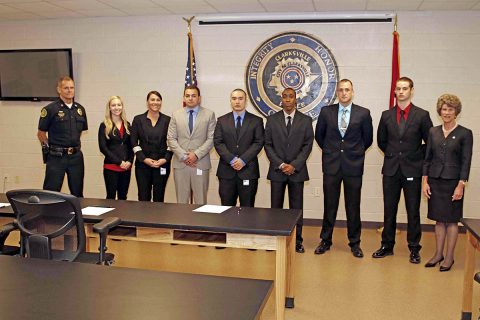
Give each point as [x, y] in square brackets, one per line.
[32, 74]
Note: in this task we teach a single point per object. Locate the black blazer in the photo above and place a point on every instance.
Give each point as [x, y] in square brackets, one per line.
[292, 149]
[246, 146]
[407, 151]
[347, 154]
[152, 140]
[115, 149]
[451, 157]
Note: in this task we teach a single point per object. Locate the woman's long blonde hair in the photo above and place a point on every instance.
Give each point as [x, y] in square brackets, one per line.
[108, 117]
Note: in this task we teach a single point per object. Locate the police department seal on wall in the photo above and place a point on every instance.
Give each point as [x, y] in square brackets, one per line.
[296, 60]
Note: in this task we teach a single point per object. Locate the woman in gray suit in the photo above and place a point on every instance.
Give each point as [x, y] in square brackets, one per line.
[445, 172]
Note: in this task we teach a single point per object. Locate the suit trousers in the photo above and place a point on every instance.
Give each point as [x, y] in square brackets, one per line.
[231, 189]
[352, 188]
[149, 178]
[412, 191]
[188, 181]
[116, 183]
[295, 200]
[57, 166]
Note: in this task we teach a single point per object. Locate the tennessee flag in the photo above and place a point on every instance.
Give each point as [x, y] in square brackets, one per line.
[395, 68]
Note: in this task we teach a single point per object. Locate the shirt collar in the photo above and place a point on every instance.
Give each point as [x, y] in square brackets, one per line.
[195, 109]
[341, 108]
[242, 115]
[291, 115]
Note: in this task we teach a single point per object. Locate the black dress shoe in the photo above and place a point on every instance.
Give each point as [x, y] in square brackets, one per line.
[444, 268]
[357, 252]
[433, 263]
[382, 252]
[322, 248]
[299, 248]
[414, 257]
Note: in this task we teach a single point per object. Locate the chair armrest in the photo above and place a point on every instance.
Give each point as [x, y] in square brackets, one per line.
[6, 229]
[106, 224]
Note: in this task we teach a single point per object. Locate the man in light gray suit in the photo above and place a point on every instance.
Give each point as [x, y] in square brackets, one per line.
[190, 138]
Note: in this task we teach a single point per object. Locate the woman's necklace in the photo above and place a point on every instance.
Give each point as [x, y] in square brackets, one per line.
[445, 131]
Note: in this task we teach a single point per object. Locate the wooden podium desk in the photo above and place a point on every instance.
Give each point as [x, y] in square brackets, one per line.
[34, 289]
[250, 228]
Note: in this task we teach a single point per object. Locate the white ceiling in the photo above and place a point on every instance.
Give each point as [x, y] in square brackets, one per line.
[55, 9]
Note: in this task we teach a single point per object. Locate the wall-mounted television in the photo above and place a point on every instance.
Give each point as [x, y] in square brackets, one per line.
[32, 74]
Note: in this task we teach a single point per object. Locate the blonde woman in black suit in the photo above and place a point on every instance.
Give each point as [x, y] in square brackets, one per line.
[114, 142]
[445, 172]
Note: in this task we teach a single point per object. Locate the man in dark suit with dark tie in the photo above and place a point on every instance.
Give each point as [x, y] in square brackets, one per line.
[238, 138]
[288, 143]
[400, 134]
[344, 132]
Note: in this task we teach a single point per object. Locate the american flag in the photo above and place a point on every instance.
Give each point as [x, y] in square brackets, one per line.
[191, 69]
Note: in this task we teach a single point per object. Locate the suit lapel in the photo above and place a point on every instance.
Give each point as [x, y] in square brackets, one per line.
[198, 120]
[245, 124]
[411, 117]
[335, 119]
[231, 126]
[281, 122]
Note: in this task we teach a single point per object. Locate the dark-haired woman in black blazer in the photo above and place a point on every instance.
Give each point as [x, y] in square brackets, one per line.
[445, 172]
[149, 142]
[114, 142]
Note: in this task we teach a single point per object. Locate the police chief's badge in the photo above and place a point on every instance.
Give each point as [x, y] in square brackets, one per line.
[61, 114]
[80, 112]
[43, 113]
[292, 60]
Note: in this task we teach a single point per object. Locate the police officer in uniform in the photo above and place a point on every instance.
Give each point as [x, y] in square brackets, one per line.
[59, 129]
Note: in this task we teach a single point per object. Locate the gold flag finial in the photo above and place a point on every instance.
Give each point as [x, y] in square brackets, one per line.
[189, 22]
[395, 23]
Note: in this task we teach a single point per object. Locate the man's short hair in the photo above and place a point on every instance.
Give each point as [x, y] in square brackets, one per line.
[192, 87]
[238, 89]
[406, 79]
[346, 80]
[62, 79]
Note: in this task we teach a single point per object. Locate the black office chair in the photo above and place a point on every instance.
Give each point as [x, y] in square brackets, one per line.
[51, 227]
[5, 231]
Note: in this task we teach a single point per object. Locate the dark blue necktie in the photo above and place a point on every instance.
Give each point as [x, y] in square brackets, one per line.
[190, 121]
[239, 125]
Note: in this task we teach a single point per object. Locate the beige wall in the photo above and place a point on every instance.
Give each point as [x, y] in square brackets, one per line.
[130, 56]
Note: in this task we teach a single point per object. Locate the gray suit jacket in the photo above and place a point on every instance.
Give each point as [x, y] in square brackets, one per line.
[200, 141]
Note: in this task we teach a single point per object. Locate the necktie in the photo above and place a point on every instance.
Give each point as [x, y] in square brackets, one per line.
[190, 121]
[289, 124]
[343, 122]
[401, 124]
[239, 125]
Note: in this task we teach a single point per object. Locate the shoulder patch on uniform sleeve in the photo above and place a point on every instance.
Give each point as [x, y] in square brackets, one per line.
[80, 112]
[43, 113]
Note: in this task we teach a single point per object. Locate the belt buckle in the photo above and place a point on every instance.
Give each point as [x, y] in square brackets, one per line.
[70, 150]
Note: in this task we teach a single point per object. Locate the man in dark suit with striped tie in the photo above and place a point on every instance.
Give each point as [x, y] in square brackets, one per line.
[401, 133]
[238, 138]
[344, 132]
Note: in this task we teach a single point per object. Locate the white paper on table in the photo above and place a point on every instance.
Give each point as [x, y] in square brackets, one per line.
[95, 211]
[4, 204]
[210, 208]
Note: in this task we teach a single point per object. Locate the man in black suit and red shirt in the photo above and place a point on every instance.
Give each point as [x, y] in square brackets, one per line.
[288, 143]
[400, 134]
[344, 132]
[238, 138]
